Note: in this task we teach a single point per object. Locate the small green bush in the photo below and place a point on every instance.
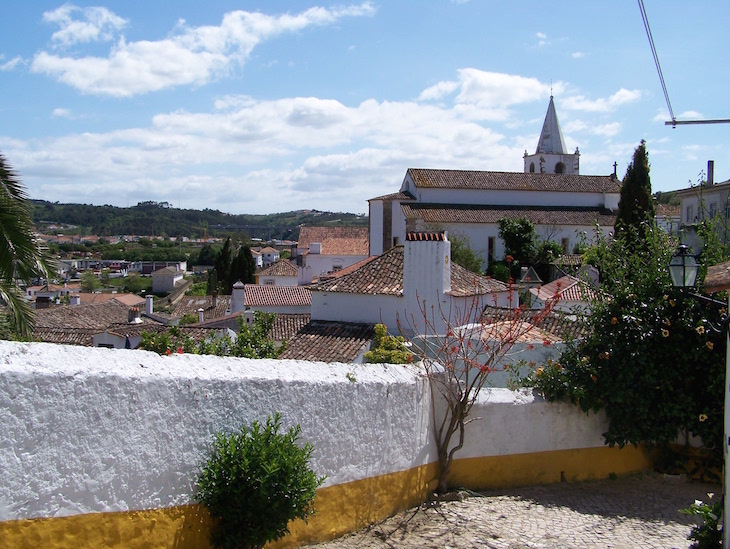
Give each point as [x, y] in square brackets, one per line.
[255, 482]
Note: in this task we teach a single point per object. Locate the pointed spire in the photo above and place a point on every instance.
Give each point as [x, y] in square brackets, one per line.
[551, 138]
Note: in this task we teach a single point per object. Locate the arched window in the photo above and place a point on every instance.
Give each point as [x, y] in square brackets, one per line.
[560, 167]
[532, 167]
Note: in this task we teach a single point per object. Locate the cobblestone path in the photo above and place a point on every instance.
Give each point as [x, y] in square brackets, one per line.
[632, 512]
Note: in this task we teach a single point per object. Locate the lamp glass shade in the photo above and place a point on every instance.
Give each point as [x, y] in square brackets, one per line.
[683, 268]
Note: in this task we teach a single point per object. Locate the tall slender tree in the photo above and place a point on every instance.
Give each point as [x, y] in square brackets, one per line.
[22, 255]
[635, 208]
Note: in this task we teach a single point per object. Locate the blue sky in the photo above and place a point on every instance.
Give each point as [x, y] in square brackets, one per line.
[258, 107]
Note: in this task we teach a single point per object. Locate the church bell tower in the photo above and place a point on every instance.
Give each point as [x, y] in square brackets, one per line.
[550, 155]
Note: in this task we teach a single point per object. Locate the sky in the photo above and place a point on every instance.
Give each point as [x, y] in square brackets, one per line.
[263, 107]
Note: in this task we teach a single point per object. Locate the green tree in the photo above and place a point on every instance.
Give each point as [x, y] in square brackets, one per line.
[206, 256]
[462, 254]
[639, 359]
[223, 261]
[519, 238]
[635, 207]
[89, 281]
[243, 267]
[22, 256]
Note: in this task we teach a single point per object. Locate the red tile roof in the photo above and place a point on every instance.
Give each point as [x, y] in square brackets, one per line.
[283, 267]
[567, 288]
[539, 215]
[330, 341]
[513, 181]
[191, 304]
[383, 275]
[336, 240]
[258, 295]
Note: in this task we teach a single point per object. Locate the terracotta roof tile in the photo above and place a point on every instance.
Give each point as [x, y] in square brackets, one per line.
[395, 196]
[258, 295]
[514, 181]
[283, 267]
[567, 288]
[383, 275]
[336, 240]
[329, 341]
[191, 304]
[563, 327]
[540, 215]
[287, 325]
[94, 316]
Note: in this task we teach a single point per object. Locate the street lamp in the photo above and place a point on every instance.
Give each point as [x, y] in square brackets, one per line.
[683, 268]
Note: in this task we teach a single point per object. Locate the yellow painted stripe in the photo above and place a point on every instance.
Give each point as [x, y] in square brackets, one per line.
[340, 509]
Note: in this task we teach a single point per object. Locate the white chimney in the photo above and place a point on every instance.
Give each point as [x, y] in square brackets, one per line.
[426, 273]
[74, 299]
[315, 247]
[201, 315]
[148, 308]
[238, 297]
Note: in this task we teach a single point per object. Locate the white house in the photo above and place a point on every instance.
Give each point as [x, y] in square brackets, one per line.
[562, 203]
[165, 280]
[270, 255]
[281, 273]
[395, 287]
[324, 250]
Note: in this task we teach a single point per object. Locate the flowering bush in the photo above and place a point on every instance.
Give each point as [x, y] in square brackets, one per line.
[707, 535]
[649, 358]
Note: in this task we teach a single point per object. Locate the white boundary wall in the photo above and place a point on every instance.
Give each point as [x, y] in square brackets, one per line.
[92, 430]
[86, 430]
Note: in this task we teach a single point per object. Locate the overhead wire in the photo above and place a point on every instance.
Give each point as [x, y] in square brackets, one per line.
[645, 18]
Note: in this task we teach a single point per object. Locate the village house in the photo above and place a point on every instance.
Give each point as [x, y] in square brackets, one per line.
[281, 273]
[166, 280]
[323, 250]
[551, 193]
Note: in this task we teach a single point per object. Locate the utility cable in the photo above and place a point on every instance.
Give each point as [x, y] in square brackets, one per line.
[656, 58]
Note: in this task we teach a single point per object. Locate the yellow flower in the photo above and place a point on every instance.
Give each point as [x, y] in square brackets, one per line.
[539, 371]
[665, 332]
[667, 322]
[614, 320]
[710, 345]
[666, 297]
[703, 417]
[700, 330]
[584, 360]
[671, 302]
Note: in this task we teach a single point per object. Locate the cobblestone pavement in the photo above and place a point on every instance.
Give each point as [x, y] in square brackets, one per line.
[633, 512]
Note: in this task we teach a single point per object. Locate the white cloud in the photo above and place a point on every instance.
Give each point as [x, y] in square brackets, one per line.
[438, 91]
[580, 103]
[61, 113]
[577, 55]
[95, 23]
[191, 56]
[10, 65]
[542, 39]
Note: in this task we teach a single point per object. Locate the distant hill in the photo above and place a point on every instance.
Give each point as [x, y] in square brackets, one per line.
[160, 218]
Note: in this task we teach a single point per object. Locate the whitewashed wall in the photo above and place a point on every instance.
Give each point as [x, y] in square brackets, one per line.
[87, 430]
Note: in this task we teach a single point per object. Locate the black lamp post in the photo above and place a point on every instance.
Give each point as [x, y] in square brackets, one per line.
[683, 268]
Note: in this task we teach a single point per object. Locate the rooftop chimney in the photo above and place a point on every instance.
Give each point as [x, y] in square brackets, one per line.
[148, 309]
[238, 297]
[74, 299]
[710, 173]
[201, 315]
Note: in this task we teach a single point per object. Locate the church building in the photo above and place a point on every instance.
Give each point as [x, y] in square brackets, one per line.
[564, 205]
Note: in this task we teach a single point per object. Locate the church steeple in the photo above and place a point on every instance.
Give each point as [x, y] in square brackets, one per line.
[551, 155]
[551, 138]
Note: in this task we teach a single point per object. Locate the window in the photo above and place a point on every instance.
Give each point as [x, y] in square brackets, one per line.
[560, 167]
[532, 167]
[490, 246]
[713, 209]
[336, 268]
[268, 282]
[565, 245]
[690, 213]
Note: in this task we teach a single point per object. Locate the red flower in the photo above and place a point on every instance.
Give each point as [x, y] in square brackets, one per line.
[179, 350]
[168, 352]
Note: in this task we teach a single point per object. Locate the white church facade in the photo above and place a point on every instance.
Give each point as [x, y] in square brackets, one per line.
[564, 205]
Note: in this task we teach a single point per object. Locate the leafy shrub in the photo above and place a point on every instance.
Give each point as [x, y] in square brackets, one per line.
[255, 482]
[707, 535]
[388, 349]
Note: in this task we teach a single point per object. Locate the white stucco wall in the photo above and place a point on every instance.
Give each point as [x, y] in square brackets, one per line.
[90, 430]
[364, 308]
[319, 264]
[376, 226]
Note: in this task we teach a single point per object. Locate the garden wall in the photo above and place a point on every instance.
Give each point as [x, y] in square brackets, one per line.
[102, 447]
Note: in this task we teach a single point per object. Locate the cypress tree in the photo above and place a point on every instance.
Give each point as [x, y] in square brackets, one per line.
[635, 208]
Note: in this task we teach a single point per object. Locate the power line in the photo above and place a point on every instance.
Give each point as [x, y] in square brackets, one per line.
[656, 58]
